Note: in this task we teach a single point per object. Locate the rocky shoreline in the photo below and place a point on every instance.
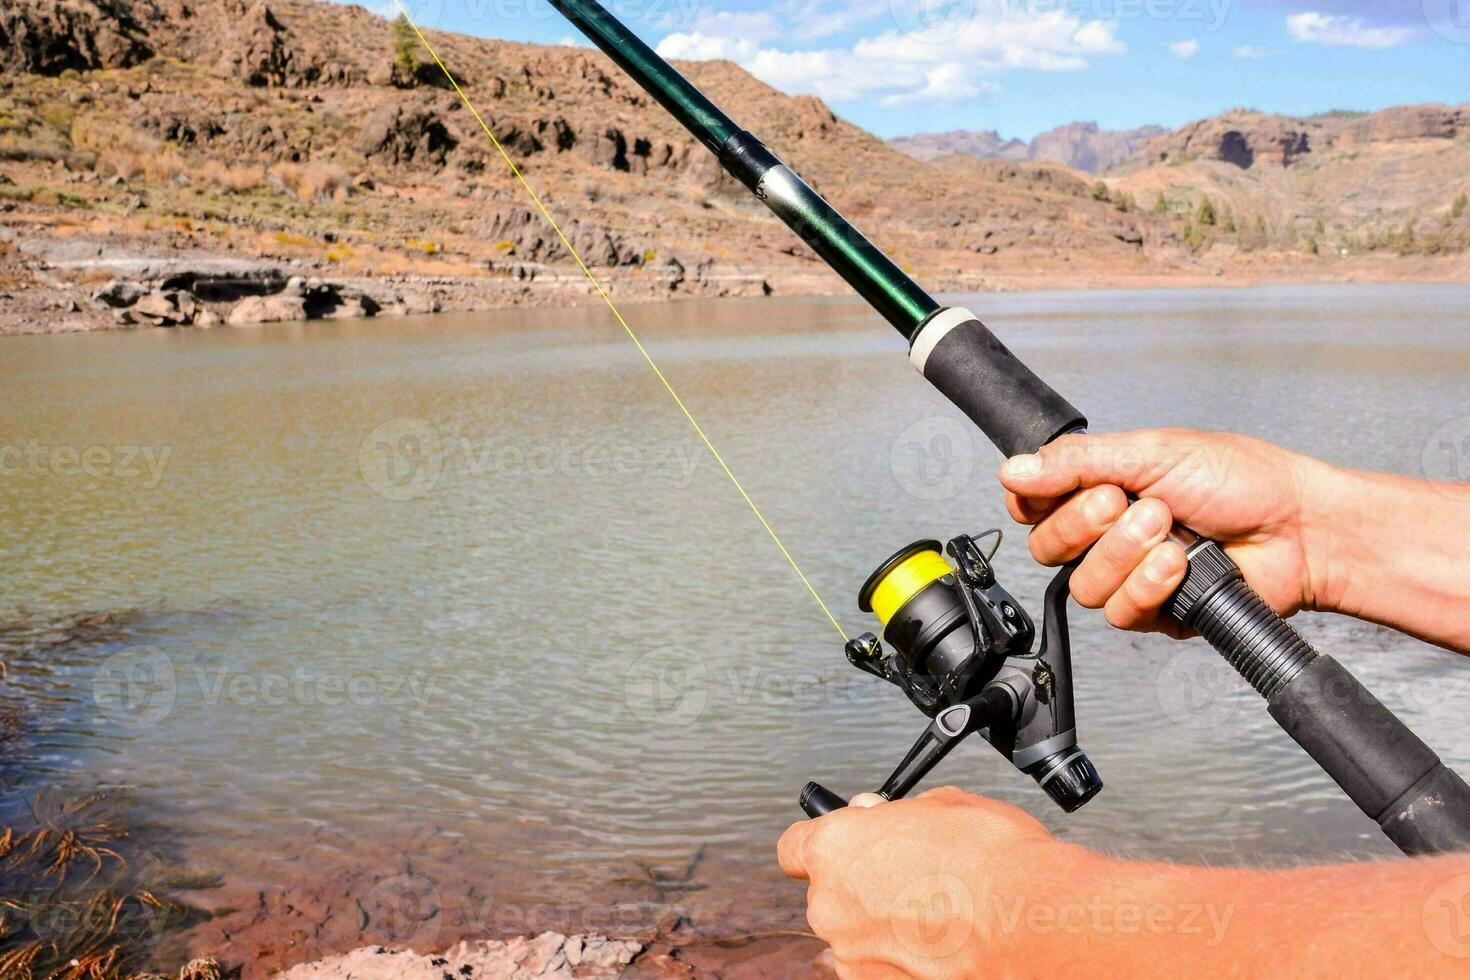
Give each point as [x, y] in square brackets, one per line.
[553, 956]
[84, 284]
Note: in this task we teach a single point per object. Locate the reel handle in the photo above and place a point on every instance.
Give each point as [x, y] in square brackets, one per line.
[817, 800]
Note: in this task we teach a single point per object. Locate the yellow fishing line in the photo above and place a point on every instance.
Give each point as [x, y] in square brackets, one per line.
[597, 285]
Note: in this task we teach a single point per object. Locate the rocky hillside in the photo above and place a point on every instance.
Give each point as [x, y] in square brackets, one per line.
[1079, 145]
[1393, 181]
[291, 138]
[192, 161]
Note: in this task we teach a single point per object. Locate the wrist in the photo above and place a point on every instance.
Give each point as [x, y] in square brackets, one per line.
[1116, 917]
[1335, 505]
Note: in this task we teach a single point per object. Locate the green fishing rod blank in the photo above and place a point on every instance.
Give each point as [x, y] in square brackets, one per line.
[875, 277]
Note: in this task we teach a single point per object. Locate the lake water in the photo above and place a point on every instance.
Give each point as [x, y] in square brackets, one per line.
[461, 605]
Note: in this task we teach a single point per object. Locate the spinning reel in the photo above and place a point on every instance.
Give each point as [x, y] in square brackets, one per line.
[961, 650]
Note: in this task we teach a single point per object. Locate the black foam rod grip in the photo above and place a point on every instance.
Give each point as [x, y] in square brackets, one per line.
[1018, 411]
[1396, 779]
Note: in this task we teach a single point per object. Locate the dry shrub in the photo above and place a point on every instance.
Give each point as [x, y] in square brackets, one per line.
[313, 182]
[231, 179]
[127, 153]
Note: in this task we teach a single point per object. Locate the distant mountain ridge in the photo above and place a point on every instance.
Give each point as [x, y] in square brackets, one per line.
[1080, 145]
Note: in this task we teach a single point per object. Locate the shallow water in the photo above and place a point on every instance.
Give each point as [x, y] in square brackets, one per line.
[464, 596]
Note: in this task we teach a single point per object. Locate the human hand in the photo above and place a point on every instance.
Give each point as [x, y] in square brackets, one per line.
[913, 887]
[949, 885]
[1252, 497]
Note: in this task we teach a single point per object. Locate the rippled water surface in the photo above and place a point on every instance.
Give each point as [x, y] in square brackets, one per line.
[466, 594]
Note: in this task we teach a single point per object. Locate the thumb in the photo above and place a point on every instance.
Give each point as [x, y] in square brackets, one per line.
[1131, 460]
[866, 800]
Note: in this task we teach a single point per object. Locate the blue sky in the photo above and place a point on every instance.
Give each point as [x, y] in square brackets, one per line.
[1023, 66]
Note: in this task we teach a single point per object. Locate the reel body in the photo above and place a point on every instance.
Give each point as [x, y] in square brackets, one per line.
[960, 647]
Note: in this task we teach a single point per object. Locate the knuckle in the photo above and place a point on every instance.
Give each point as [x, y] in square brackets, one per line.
[1088, 592]
[1122, 615]
[1042, 544]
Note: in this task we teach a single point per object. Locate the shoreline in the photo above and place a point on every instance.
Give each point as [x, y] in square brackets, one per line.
[57, 278]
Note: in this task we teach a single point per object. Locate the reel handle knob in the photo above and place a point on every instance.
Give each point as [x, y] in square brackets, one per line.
[817, 800]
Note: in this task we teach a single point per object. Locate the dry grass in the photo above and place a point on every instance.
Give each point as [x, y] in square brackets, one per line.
[229, 178]
[58, 920]
[313, 182]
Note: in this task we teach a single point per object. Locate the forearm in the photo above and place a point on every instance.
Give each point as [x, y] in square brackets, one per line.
[1395, 918]
[1392, 550]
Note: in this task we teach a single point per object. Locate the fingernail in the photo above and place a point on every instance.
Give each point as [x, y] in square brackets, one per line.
[1025, 465]
[1159, 568]
[1145, 520]
[1098, 507]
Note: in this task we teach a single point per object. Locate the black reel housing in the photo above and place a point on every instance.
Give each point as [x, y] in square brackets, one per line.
[961, 650]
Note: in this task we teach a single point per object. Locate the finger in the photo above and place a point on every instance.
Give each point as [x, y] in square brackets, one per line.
[791, 849]
[1029, 510]
[1137, 604]
[1076, 524]
[1119, 551]
[1131, 460]
[865, 800]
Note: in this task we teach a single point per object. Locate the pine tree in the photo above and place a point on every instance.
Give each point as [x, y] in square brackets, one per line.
[1161, 206]
[1459, 206]
[1205, 216]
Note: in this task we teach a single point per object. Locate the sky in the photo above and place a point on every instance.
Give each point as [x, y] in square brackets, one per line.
[897, 67]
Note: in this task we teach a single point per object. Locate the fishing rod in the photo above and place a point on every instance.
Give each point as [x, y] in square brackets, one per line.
[961, 644]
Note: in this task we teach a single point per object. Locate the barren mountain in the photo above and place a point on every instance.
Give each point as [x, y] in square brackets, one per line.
[1079, 145]
[177, 161]
[1394, 180]
[984, 143]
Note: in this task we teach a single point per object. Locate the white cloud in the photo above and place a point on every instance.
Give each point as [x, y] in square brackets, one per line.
[1334, 31]
[1251, 52]
[949, 62]
[1184, 49]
